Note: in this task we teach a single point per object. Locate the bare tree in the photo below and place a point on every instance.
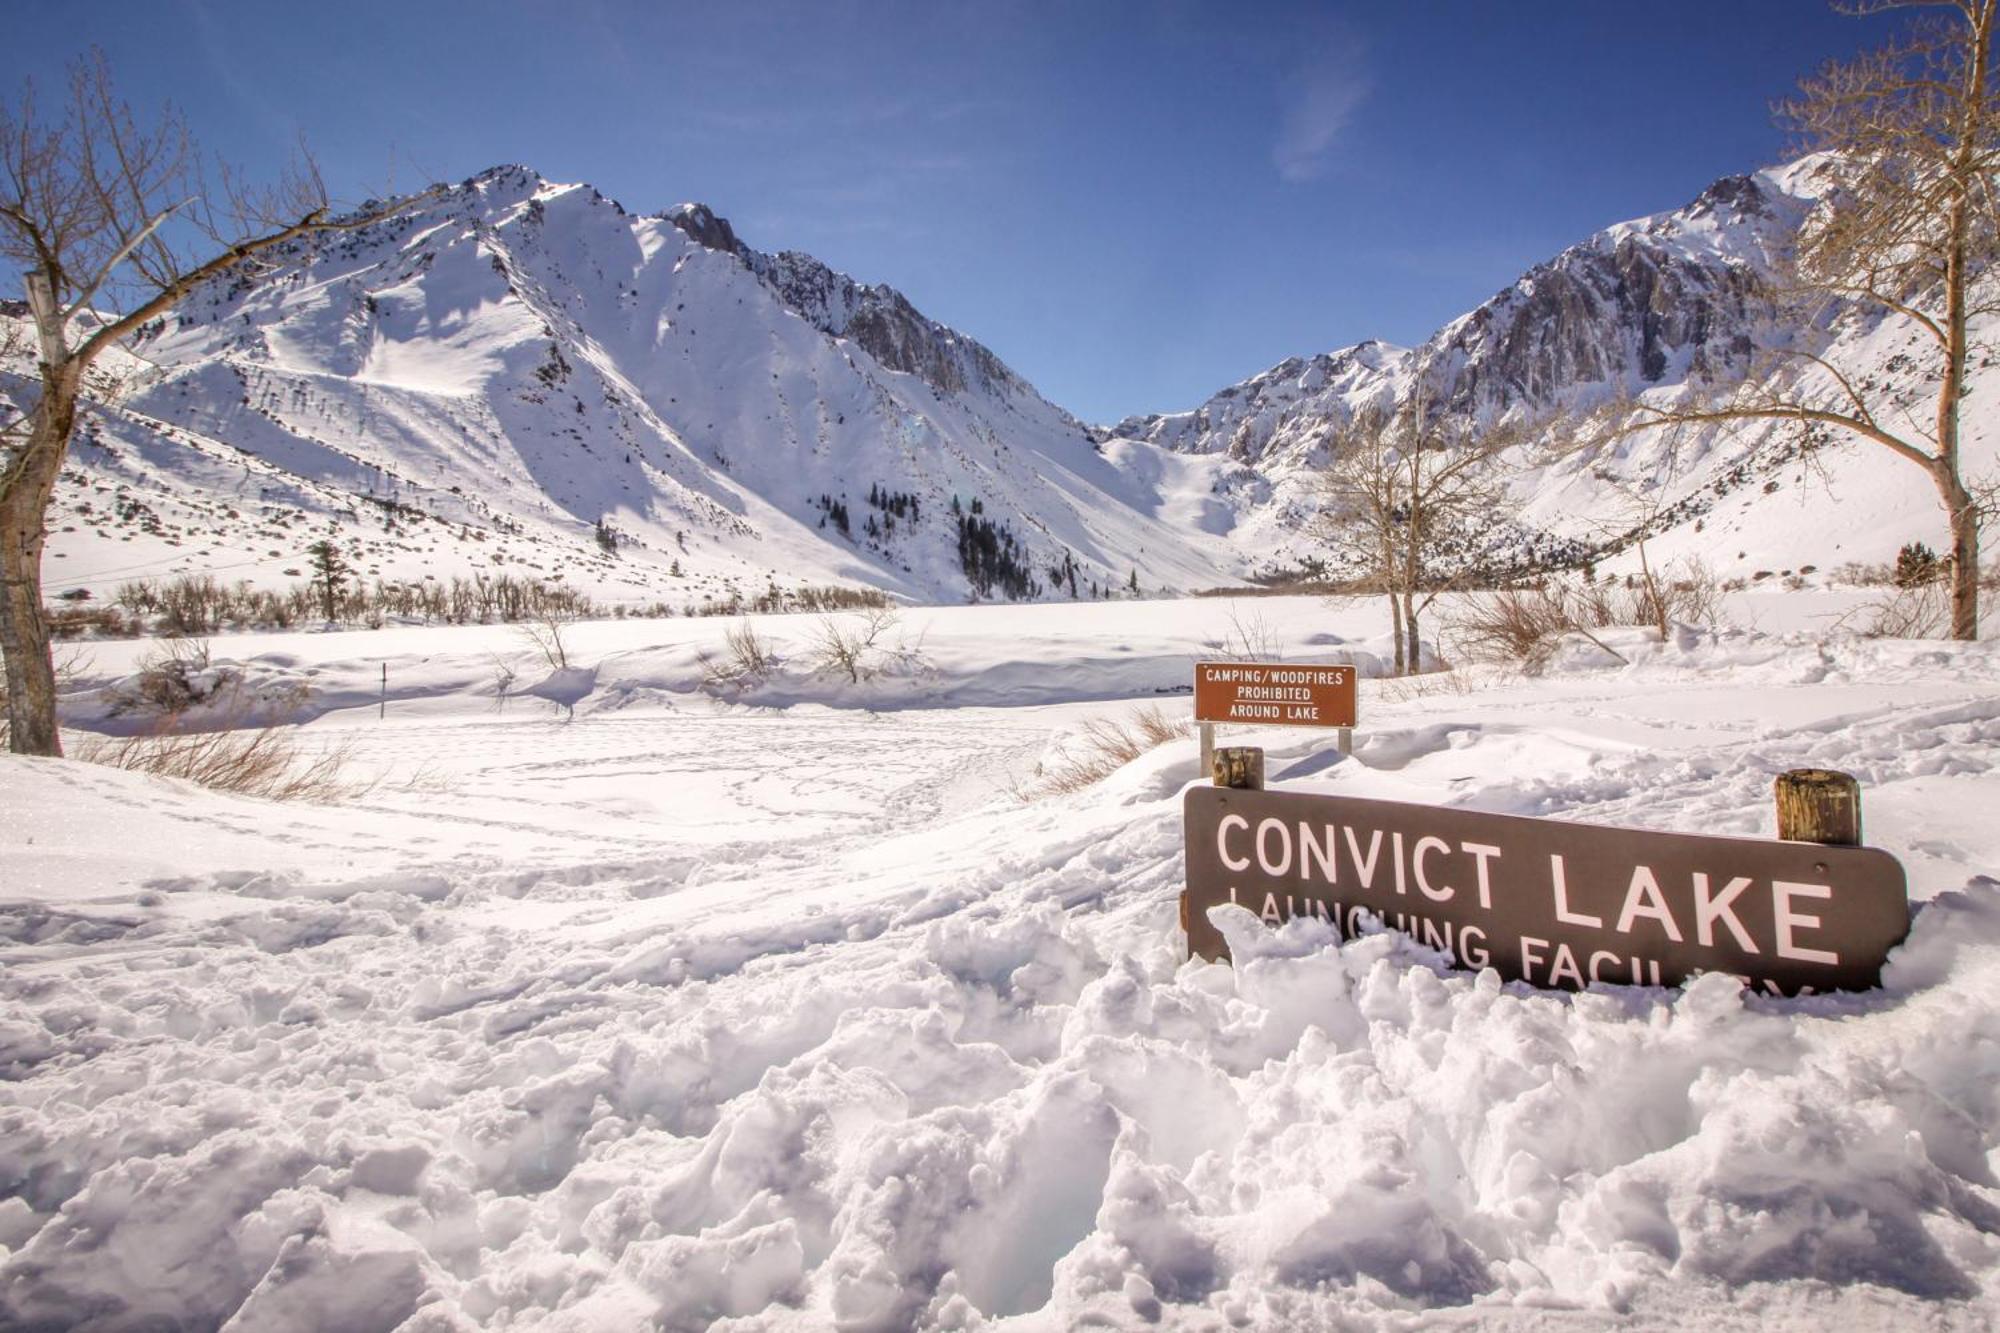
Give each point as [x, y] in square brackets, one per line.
[1908, 230]
[1640, 515]
[111, 223]
[847, 648]
[1402, 490]
[544, 634]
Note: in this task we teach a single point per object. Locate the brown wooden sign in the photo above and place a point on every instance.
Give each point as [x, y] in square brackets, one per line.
[1545, 901]
[1274, 694]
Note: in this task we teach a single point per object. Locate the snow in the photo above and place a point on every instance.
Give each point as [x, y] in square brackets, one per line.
[470, 387]
[623, 1004]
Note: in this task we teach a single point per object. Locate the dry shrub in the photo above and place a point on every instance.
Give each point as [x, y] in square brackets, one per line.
[827, 597]
[265, 762]
[1450, 680]
[194, 604]
[102, 622]
[426, 780]
[504, 676]
[1693, 593]
[171, 679]
[1525, 625]
[1858, 574]
[545, 635]
[1919, 612]
[1511, 625]
[234, 751]
[747, 658]
[1104, 746]
[857, 648]
[1250, 639]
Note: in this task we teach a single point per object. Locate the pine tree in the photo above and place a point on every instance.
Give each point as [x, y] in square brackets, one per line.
[1916, 565]
[330, 571]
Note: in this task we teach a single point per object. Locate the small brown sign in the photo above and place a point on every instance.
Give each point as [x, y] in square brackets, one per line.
[1274, 694]
[1545, 901]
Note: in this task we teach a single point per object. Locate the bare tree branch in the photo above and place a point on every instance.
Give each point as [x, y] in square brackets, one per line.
[1401, 487]
[1907, 226]
[105, 217]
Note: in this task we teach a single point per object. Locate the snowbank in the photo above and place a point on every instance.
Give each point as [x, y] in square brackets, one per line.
[706, 1015]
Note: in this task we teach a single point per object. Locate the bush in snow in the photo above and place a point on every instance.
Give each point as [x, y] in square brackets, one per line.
[847, 648]
[264, 762]
[1914, 611]
[1524, 626]
[747, 658]
[172, 679]
[1102, 748]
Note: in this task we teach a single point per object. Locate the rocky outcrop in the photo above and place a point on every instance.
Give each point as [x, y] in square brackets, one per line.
[702, 225]
[878, 318]
[1679, 297]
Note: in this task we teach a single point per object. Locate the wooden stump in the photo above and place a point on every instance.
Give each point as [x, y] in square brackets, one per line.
[1819, 805]
[1240, 766]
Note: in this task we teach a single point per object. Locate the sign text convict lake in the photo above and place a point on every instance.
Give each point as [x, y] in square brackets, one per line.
[1545, 901]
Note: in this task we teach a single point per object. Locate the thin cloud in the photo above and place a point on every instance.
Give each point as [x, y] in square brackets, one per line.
[1320, 99]
[842, 113]
[273, 121]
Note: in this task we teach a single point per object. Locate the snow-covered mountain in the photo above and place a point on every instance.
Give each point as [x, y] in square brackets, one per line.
[514, 374]
[488, 379]
[1659, 308]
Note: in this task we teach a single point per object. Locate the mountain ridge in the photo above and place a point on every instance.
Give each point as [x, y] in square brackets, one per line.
[529, 360]
[520, 373]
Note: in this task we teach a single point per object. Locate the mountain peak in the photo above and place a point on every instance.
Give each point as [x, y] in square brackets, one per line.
[705, 227]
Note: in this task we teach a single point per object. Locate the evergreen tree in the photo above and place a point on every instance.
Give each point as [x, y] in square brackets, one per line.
[1916, 565]
[330, 572]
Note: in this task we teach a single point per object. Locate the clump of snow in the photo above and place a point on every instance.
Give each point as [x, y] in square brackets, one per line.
[688, 1014]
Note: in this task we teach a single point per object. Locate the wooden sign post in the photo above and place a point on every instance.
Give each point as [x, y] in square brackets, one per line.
[1274, 694]
[1546, 901]
[1819, 805]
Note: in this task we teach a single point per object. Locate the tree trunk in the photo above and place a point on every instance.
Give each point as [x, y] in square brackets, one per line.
[1957, 278]
[1396, 630]
[1958, 505]
[1964, 555]
[24, 630]
[1656, 604]
[1413, 653]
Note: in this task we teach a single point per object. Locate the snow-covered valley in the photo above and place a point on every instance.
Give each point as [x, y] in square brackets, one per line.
[778, 1009]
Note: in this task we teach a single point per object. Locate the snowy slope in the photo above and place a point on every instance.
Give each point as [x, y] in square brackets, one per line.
[612, 1023]
[1664, 308]
[477, 384]
[481, 380]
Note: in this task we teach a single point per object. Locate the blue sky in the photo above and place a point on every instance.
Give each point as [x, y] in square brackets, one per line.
[1133, 204]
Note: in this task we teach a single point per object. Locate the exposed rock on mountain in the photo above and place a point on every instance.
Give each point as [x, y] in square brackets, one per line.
[522, 377]
[1669, 305]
